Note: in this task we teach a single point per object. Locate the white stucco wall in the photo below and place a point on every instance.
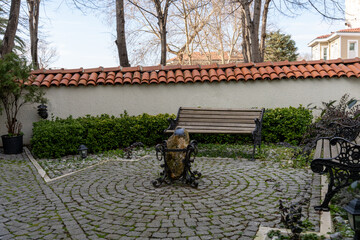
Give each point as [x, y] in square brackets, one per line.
[162, 98]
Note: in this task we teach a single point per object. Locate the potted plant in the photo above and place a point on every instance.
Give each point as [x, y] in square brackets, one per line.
[15, 91]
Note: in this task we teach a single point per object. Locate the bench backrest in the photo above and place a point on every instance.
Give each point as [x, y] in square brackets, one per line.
[325, 150]
[218, 120]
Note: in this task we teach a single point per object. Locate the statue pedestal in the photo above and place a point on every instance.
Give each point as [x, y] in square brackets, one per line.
[177, 164]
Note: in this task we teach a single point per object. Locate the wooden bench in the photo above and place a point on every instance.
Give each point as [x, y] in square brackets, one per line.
[340, 158]
[220, 120]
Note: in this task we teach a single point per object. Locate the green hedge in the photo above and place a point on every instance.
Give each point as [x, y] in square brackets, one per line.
[59, 137]
[286, 124]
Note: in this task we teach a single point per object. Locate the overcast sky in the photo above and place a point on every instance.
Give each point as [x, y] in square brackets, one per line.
[88, 40]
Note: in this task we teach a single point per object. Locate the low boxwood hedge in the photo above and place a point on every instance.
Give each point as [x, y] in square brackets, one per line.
[59, 137]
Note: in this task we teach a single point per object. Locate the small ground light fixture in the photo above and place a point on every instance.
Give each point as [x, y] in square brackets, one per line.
[83, 151]
[353, 210]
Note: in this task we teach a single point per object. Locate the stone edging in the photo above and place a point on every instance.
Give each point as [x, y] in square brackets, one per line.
[47, 179]
[325, 219]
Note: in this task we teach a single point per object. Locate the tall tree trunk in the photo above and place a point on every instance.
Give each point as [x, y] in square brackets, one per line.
[34, 9]
[162, 20]
[120, 32]
[162, 26]
[263, 29]
[8, 42]
[252, 47]
[254, 35]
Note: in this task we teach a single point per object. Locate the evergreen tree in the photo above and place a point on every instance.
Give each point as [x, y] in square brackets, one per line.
[280, 47]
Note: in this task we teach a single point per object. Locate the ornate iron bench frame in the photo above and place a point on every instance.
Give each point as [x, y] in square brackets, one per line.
[188, 176]
[343, 166]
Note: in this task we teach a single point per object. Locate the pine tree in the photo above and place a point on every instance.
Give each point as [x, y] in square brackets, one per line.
[280, 47]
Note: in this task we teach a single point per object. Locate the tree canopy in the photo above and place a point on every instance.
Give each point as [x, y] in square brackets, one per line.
[280, 47]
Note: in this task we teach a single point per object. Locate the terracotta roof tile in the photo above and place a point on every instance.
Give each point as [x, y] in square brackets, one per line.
[91, 70]
[179, 76]
[264, 74]
[170, 77]
[110, 78]
[329, 70]
[145, 78]
[130, 69]
[338, 70]
[288, 72]
[350, 30]
[162, 77]
[230, 75]
[211, 66]
[221, 74]
[296, 72]
[39, 78]
[347, 70]
[153, 77]
[127, 78]
[196, 73]
[255, 73]
[119, 78]
[213, 75]
[110, 69]
[204, 75]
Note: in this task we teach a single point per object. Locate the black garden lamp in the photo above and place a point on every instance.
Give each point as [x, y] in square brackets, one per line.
[353, 210]
[83, 151]
[42, 111]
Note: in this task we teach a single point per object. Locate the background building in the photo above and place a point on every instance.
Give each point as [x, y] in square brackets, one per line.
[343, 43]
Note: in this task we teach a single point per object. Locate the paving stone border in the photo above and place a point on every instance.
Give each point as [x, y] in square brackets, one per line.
[46, 178]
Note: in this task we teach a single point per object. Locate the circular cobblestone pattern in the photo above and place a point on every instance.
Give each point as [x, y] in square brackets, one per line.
[116, 200]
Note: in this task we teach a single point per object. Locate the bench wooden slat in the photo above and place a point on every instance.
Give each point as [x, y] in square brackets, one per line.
[232, 113]
[221, 109]
[326, 149]
[334, 150]
[222, 124]
[218, 120]
[318, 149]
[194, 116]
[214, 131]
[217, 128]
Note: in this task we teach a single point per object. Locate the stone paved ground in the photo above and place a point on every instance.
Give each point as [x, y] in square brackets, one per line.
[116, 200]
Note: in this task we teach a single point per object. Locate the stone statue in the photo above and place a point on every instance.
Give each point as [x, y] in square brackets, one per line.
[175, 160]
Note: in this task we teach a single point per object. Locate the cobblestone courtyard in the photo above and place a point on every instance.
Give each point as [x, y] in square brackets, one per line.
[116, 200]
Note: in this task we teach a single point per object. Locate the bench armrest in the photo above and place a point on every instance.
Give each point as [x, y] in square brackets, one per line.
[348, 157]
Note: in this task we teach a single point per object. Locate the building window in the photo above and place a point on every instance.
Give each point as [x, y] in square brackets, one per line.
[325, 53]
[352, 48]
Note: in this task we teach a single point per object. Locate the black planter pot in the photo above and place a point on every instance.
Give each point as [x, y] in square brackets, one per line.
[12, 144]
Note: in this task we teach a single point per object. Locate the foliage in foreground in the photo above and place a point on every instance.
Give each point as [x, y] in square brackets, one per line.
[15, 90]
[336, 118]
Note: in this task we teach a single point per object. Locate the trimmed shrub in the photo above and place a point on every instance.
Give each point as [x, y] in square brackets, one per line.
[286, 124]
[59, 137]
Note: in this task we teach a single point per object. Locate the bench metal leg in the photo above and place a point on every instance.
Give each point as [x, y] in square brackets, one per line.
[256, 137]
[338, 179]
